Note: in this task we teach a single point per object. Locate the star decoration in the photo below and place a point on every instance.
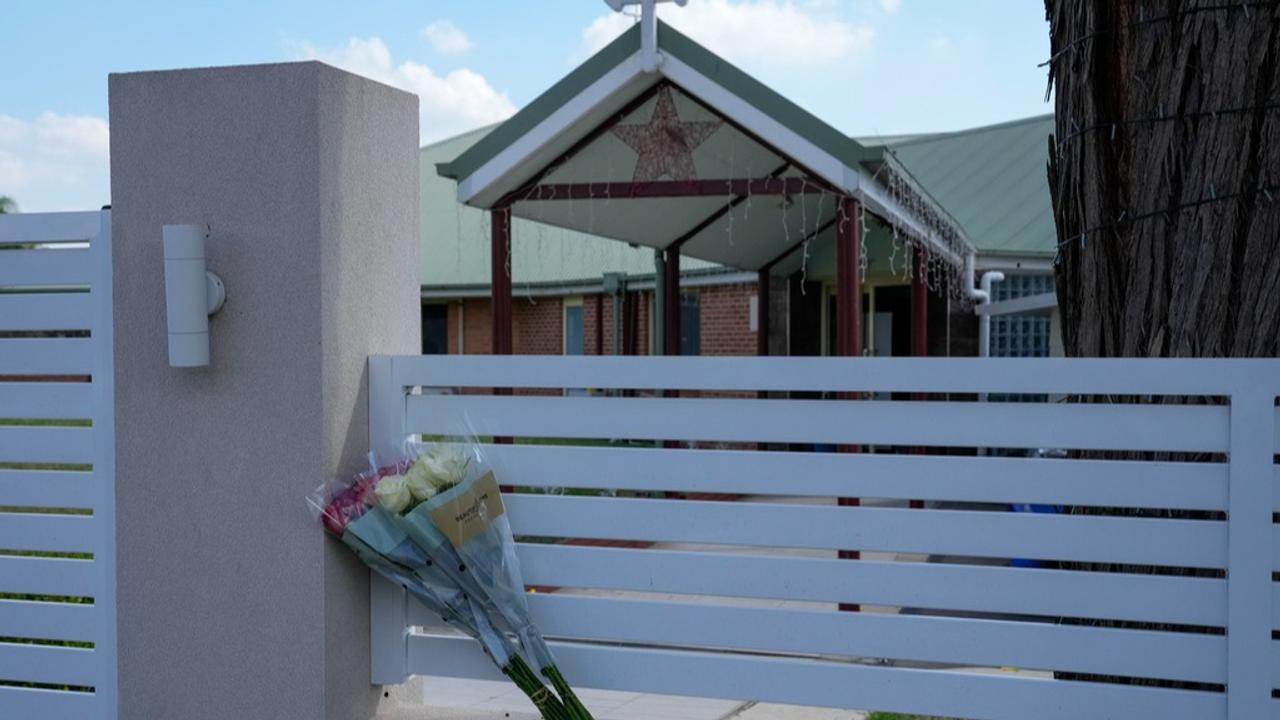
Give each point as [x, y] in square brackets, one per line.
[665, 144]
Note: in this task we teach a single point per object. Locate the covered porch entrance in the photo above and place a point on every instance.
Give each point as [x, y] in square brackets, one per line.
[696, 159]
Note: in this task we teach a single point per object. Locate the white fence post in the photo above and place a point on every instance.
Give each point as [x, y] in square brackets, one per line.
[388, 604]
[104, 460]
[1249, 552]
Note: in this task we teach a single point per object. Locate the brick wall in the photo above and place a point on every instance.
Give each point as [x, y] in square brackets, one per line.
[725, 312]
[538, 326]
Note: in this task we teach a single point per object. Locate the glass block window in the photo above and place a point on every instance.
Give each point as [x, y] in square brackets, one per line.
[1020, 335]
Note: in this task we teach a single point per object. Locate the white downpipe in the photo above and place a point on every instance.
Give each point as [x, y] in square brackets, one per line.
[982, 295]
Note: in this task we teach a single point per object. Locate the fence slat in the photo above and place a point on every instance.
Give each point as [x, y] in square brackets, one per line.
[46, 356]
[1249, 682]
[1193, 428]
[1191, 657]
[48, 576]
[47, 532]
[812, 682]
[45, 267]
[49, 704]
[1131, 376]
[1184, 543]
[46, 400]
[20, 444]
[49, 620]
[50, 664]
[49, 488]
[970, 588]
[45, 311]
[56, 227]
[1110, 483]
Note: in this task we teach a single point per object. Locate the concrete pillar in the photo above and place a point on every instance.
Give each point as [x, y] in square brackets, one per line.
[232, 603]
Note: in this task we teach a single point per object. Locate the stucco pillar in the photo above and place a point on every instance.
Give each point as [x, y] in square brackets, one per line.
[232, 603]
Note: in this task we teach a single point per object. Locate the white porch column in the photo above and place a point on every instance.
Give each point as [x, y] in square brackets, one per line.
[232, 603]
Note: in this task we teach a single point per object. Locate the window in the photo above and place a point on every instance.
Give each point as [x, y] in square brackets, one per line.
[1020, 335]
[690, 325]
[573, 330]
[435, 329]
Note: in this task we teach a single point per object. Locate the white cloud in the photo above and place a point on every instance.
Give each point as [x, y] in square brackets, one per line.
[757, 34]
[448, 103]
[890, 6]
[446, 38]
[55, 162]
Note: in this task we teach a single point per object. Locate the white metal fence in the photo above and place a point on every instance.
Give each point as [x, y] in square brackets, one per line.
[735, 596]
[57, 523]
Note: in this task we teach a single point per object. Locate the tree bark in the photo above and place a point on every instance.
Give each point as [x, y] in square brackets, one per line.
[1164, 171]
[1165, 176]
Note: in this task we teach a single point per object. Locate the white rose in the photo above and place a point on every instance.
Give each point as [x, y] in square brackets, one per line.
[447, 466]
[419, 484]
[393, 494]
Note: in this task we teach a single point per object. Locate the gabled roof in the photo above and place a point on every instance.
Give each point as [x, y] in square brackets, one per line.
[566, 141]
[671, 41]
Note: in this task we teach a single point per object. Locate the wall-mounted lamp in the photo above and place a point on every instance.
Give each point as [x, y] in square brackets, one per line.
[191, 295]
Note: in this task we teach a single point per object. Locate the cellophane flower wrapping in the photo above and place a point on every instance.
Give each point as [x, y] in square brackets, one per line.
[349, 511]
[363, 514]
[465, 522]
[448, 502]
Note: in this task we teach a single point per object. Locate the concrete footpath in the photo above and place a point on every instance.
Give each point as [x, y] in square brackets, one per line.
[453, 699]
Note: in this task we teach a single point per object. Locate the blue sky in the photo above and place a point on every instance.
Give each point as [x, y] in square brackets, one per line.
[865, 66]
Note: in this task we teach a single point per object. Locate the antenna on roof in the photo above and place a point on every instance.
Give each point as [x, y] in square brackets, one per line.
[650, 57]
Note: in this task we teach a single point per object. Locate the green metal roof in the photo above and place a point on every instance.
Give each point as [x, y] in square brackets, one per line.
[992, 180]
[737, 82]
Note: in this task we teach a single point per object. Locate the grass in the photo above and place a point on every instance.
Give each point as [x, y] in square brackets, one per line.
[901, 716]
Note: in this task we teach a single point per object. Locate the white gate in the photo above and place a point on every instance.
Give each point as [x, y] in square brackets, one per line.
[57, 520]
[735, 595]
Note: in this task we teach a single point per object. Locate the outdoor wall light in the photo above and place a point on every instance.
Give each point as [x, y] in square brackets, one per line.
[191, 295]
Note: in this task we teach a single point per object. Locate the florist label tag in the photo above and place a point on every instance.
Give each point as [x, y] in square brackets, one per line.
[468, 514]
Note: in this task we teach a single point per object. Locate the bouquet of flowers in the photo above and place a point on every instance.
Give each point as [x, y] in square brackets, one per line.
[351, 512]
[447, 501]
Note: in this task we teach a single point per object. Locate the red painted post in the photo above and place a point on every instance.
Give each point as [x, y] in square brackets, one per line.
[919, 322]
[671, 303]
[500, 279]
[500, 293]
[849, 315]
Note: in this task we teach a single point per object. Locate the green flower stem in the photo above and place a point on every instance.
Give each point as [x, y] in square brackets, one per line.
[571, 702]
[547, 703]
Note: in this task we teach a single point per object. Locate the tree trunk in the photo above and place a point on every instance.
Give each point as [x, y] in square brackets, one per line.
[1165, 176]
